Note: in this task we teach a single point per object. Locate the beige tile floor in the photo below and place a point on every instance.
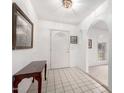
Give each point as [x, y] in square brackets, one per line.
[68, 80]
[100, 73]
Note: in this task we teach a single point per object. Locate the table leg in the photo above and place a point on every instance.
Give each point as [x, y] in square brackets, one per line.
[15, 90]
[15, 85]
[39, 79]
[33, 80]
[45, 71]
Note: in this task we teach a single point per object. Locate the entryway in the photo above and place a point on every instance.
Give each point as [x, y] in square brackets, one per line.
[98, 51]
[59, 49]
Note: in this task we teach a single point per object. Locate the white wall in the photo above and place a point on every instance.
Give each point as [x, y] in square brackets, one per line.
[103, 12]
[43, 43]
[41, 48]
[97, 36]
[21, 58]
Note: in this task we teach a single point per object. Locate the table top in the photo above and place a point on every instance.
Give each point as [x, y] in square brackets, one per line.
[33, 67]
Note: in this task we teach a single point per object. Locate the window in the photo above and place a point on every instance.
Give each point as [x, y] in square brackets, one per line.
[102, 51]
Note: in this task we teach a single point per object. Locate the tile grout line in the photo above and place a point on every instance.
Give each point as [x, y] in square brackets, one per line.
[61, 82]
[76, 82]
[85, 85]
[96, 87]
[69, 81]
[71, 75]
[54, 81]
[102, 85]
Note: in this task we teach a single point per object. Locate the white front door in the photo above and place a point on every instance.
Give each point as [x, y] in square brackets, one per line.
[59, 49]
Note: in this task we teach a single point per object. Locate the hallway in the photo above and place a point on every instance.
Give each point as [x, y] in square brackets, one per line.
[68, 80]
[60, 35]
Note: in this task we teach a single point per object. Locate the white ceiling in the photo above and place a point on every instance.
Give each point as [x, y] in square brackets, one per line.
[54, 11]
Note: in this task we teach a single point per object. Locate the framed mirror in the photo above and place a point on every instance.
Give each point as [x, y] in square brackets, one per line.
[22, 29]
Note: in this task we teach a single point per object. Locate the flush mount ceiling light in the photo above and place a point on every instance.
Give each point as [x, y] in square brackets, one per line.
[67, 3]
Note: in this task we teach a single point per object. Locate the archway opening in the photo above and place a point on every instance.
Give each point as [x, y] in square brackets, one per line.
[98, 51]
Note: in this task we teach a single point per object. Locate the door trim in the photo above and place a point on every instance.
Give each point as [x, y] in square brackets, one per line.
[51, 30]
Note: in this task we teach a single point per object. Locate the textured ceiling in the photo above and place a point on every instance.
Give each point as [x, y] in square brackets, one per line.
[53, 10]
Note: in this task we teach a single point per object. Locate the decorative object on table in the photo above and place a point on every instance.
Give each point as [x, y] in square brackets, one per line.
[73, 39]
[22, 29]
[89, 43]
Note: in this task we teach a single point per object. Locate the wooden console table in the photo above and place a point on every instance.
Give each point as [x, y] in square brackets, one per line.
[34, 70]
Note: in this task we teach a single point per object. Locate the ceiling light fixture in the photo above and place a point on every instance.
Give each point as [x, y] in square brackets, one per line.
[67, 3]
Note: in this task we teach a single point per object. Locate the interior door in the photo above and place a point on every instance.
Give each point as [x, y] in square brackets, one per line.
[59, 49]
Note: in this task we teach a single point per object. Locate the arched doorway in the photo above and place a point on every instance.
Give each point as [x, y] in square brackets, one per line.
[98, 51]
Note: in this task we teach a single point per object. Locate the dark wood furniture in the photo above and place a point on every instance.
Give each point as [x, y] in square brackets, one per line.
[34, 70]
